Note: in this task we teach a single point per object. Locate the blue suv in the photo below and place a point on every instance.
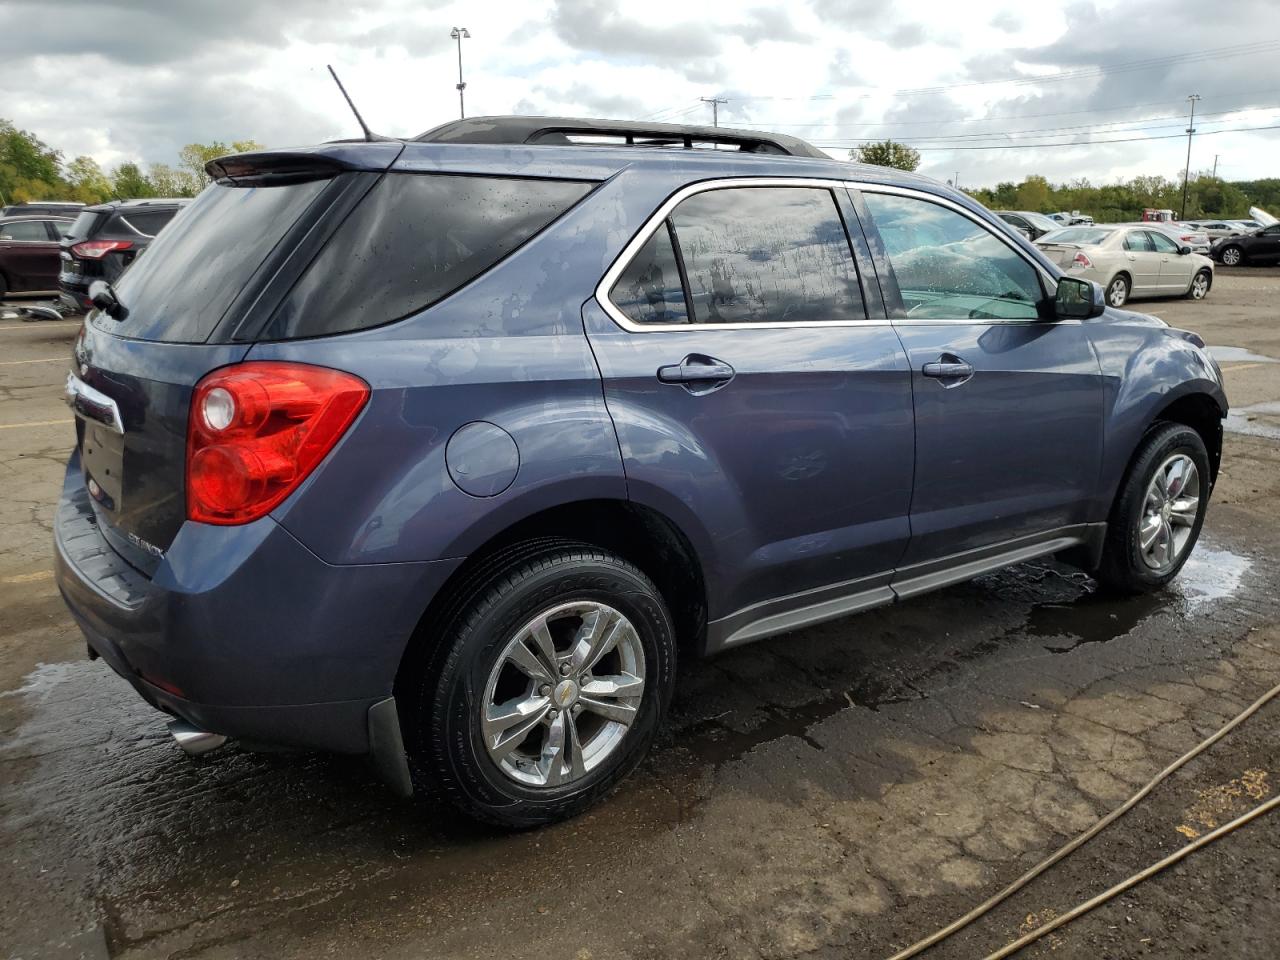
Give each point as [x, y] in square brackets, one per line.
[439, 450]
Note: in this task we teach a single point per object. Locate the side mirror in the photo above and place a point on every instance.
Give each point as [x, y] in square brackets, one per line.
[1183, 250]
[1079, 299]
[104, 298]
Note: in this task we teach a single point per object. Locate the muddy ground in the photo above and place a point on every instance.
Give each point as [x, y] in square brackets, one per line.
[836, 792]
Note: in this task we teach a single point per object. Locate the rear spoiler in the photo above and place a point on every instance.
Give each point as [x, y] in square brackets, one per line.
[265, 168]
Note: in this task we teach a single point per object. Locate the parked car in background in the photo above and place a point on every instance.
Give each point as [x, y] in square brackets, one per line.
[1217, 229]
[439, 453]
[1130, 261]
[29, 253]
[42, 207]
[1030, 224]
[1153, 215]
[1181, 233]
[1247, 225]
[105, 239]
[1258, 247]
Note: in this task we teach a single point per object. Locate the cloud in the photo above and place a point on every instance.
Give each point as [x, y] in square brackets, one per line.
[599, 26]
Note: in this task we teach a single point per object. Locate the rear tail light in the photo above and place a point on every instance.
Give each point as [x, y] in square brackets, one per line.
[97, 249]
[1081, 260]
[257, 429]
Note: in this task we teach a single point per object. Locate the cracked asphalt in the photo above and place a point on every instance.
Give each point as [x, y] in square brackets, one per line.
[835, 792]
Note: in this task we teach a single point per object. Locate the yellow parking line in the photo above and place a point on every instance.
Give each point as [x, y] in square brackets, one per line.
[28, 577]
[41, 323]
[33, 423]
[1233, 367]
[14, 363]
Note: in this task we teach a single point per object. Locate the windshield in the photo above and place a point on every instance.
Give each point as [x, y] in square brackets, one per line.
[1041, 222]
[1085, 236]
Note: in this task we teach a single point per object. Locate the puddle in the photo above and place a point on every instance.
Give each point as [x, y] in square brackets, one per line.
[1247, 420]
[42, 681]
[1239, 355]
[1210, 574]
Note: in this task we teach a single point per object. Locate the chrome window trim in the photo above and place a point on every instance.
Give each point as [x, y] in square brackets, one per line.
[656, 219]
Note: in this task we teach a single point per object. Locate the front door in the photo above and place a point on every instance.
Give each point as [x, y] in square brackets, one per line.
[1175, 268]
[1144, 262]
[1008, 402]
[758, 403]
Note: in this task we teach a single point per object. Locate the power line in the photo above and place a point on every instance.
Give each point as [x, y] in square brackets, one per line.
[1036, 146]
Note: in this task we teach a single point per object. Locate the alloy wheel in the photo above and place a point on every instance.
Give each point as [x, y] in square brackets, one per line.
[1200, 286]
[1231, 256]
[563, 694]
[1118, 292]
[1169, 512]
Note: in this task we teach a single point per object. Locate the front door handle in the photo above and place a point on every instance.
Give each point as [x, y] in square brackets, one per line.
[948, 368]
[697, 373]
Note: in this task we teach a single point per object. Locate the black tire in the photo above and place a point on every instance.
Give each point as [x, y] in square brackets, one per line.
[4, 286]
[446, 749]
[1118, 290]
[1232, 255]
[1123, 568]
[1196, 293]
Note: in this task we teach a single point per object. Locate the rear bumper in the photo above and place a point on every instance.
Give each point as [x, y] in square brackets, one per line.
[74, 294]
[242, 631]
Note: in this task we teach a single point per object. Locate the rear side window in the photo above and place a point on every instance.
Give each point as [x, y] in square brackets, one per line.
[26, 231]
[148, 223]
[179, 288]
[412, 241]
[84, 225]
[1139, 242]
[767, 255]
[650, 290]
[950, 267]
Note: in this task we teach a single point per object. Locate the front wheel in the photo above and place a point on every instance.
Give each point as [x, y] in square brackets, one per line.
[1118, 291]
[1158, 512]
[1232, 256]
[1200, 285]
[556, 680]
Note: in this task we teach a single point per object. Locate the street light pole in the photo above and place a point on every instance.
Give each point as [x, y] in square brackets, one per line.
[1186, 173]
[458, 33]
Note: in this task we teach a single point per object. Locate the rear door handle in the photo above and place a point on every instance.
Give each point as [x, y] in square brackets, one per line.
[948, 368]
[697, 373]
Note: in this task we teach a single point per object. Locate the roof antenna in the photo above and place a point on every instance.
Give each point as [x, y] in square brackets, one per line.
[368, 134]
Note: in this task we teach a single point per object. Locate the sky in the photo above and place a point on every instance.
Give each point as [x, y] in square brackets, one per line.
[1020, 86]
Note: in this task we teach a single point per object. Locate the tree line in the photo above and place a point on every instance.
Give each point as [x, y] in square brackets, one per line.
[32, 170]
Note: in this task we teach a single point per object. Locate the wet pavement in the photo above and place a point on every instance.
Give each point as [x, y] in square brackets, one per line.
[835, 792]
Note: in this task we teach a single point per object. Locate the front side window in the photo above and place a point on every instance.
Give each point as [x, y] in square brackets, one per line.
[767, 255]
[1162, 243]
[949, 267]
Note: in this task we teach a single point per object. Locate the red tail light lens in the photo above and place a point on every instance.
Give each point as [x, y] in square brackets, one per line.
[97, 249]
[1081, 260]
[257, 429]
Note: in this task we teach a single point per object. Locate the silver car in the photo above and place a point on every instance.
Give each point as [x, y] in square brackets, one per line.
[1217, 229]
[1130, 261]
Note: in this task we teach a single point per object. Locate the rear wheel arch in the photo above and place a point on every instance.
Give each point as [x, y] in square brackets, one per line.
[638, 534]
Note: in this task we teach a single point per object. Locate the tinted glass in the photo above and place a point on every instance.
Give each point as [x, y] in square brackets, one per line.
[767, 255]
[1041, 222]
[24, 230]
[950, 267]
[649, 290]
[1089, 236]
[1163, 243]
[150, 222]
[179, 289]
[84, 225]
[61, 227]
[412, 241]
[1139, 242]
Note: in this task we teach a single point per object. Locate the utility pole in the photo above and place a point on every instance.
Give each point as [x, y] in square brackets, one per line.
[1215, 166]
[459, 33]
[1186, 173]
[715, 108]
[956, 182]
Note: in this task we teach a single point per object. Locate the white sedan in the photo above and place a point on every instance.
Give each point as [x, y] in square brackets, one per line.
[1130, 261]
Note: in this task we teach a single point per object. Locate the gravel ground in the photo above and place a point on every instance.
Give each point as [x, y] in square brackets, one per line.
[835, 792]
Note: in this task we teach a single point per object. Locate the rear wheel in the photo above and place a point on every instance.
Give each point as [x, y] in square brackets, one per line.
[4, 286]
[1200, 285]
[1118, 291]
[1158, 512]
[554, 682]
[1232, 256]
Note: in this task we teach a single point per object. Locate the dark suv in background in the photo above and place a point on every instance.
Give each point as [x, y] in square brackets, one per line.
[438, 450]
[105, 239]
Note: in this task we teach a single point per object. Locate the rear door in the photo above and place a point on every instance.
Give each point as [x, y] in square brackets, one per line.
[30, 255]
[756, 397]
[1008, 401]
[1267, 244]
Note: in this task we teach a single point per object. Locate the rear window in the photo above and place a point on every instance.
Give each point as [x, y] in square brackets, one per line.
[148, 222]
[1086, 236]
[180, 286]
[84, 225]
[412, 241]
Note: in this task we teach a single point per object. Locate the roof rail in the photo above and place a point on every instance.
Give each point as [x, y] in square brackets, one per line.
[560, 130]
